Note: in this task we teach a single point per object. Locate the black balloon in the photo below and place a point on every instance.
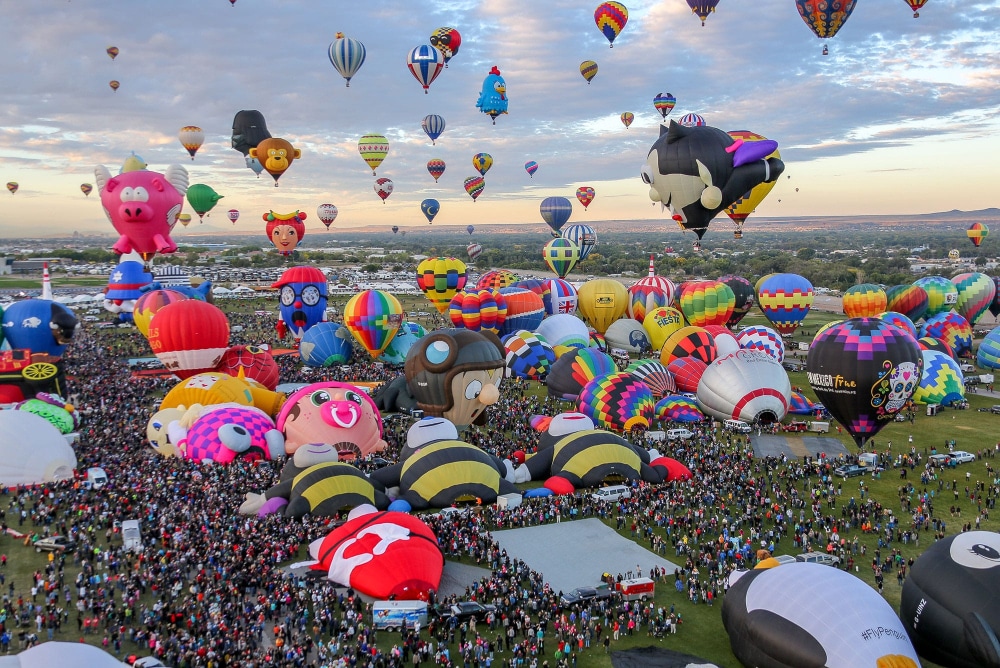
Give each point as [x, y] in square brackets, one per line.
[864, 370]
[249, 129]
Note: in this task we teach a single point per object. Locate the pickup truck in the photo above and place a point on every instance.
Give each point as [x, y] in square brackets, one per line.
[463, 610]
[795, 426]
[585, 594]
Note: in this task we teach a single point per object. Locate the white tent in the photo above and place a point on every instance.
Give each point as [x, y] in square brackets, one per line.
[32, 450]
[63, 655]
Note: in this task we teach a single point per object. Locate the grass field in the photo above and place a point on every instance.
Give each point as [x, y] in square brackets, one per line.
[702, 632]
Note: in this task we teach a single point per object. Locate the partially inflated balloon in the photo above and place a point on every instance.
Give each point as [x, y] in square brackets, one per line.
[561, 255]
[617, 402]
[563, 329]
[744, 293]
[941, 381]
[764, 339]
[496, 279]
[976, 291]
[864, 301]
[689, 342]
[151, 302]
[326, 344]
[951, 328]
[529, 355]
[747, 385]
[655, 375]
[864, 371]
[602, 301]
[785, 300]
[628, 335]
[677, 408]
[478, 310]
[573, 370]
[440, 278]
[687, 372]
[189, 336]
[373, 317]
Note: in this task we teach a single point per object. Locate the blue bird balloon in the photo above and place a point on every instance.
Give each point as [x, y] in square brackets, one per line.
[493, 98]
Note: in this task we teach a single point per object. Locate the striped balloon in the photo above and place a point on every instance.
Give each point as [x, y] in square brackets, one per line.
[765, 339]
[560, 297]
[478, 310]
[785, 300]
[677, 408]
[433, 125]
[561, 255]
[347, 55]
[744, 292]
[952, 329]
[976, 292]
[898, 320]
[531, 167]
[611, 18]
[864, 301]
[373, 317]
[692, 120]
[707, 303]
[435, 167]
[910, 300]
[584, 236]
[425, 64]
[648, 294]
[440, 279]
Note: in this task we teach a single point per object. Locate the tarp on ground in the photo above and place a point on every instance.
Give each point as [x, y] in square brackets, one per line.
[656, 657]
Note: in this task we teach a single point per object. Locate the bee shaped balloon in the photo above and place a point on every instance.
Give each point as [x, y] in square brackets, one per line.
[493, 97]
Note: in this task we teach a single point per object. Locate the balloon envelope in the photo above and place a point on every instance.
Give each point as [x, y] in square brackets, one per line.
[561, 255]
[785, 300]
[326, 344]
[189, 336]
[601, 302]
[373, 317]
[555, 212]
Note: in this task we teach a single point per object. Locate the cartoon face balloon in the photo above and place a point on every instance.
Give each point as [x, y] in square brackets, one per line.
[143, 207]
[276, 155]
[339, 414]
[302, 296]
[39, 325]
[493, 97]
[285, 230]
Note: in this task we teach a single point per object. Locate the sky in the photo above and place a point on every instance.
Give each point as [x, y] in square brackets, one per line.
[899, 118]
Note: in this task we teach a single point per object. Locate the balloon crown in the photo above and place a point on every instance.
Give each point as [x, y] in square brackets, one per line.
[495, 70]
[271, 216]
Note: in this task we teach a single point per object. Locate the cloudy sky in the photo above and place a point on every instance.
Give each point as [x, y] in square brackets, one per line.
[900, 117]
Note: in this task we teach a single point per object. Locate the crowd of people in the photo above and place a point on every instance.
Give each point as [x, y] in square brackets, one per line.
[210, 587]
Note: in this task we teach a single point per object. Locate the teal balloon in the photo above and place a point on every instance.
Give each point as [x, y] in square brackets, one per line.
[395, 352]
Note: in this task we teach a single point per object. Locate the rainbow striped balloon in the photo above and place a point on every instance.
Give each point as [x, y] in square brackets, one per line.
[373, 317]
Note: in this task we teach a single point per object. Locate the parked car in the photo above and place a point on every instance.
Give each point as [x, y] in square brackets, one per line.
[795, 426]
[995, 408]
[850, 470]
[464, 610]
[818, 558]
[952, 458]
[681, 433]
[55, 544]
[584, 594]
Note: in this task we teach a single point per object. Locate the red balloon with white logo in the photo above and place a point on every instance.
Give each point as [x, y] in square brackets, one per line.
[381, 554]
[189, 336]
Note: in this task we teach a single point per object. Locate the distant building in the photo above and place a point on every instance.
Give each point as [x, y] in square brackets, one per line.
[170, 274]
[6, 266]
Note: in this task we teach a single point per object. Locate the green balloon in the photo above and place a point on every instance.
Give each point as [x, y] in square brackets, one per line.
[202, 198]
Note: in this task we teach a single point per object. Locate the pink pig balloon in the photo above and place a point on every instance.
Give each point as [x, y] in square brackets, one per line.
[143, 207]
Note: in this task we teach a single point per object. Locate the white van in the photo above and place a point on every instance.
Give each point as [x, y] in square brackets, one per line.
[395, 615]
[132, 535]
[96, 478]
[679, 434]
[738, 426]
[611, 493]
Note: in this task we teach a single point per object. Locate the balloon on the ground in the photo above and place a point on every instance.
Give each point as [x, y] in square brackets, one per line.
[149, 303]
[655, 375]
[864, 371]
[478, 310]
[941, 381]
[253, 362]
[326, 344]
[617, 402]
[930, 343]
[699, 171]
[687, 372]
[799, 404]
[745, 296]
[628, 335]
[689, 342]
[455, 374]
[525, 310]
[440, 278]
[560, 297]
[942, 295]
[493, 96]
[335, 413]
[347, 55]
[561, 255]
[660, 323]
[382, 555]
[785, 300]
[373, 318]
[189, 337]
[949, 603]
[764, 339]
[226, 433]
[725, 340]
[583, 236]
[898, 320]
[804, 614]
[39, 325]
[910, 300]
[649, 293]
[601, 302]
[555, 212]
[951, 328]
[976, 292]
[864, 301]
[707, 303]
[564, 329]
[276, 155]
[302, 298]
[748, 385]
[573, 370]
[395, 353]
[54, 409]
[528, 355]
[677, 408]
[143, 207]
[496, 279]
[44, 457]
[988, 354]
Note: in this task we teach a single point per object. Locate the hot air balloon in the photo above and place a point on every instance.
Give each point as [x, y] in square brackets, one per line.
[561, 255]
[435, 167]
[785, 300]
[915, 5]
[660, 323]
[691, 120]
[474, 186]
[433, 125]
[825, 18]
[430, 207]
[976, 291]
[689, 342]
[555, 212]
[478, 310]
[611, 18]
[253, 363]
[707, 303]
[493, 96]
[677, 408]
[525, 310]
[202, 198]
[302, 296]
[482, 162]
[601, 302]
[899, 320]
[910, 300]
[113, 52]
[988, 355]
[285, 230]
[744, 292]
[864, 371]
[234, 215]
[573, 370]
[565, 330]
[942, 295]
[189, 336]
[249, 129]
[531, 167]
[395, 229]
[627, 118]
[664, 103]
[588, 69]
[440, 278]
[748, 385]
[941, 381]
[952, 329]
[977, 231]
[383, 188]
[327, 213]
[86, 188]
[191, 138]
[12, 186]
[748, 202]
[864, 301]
[446, 40]
[347, 55]
[425, 64]
[583, 236]
[496, 279]
[115, 85]
[655, 375]
[764, 339]
[373, 317]
[617, 402]
[184, 219]
[586, 195]
[559, 297]
[702, 8]
[373, 149]
[725, 340]
[395, 353]
[529, 355]
[474, 251]
[628, 335]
